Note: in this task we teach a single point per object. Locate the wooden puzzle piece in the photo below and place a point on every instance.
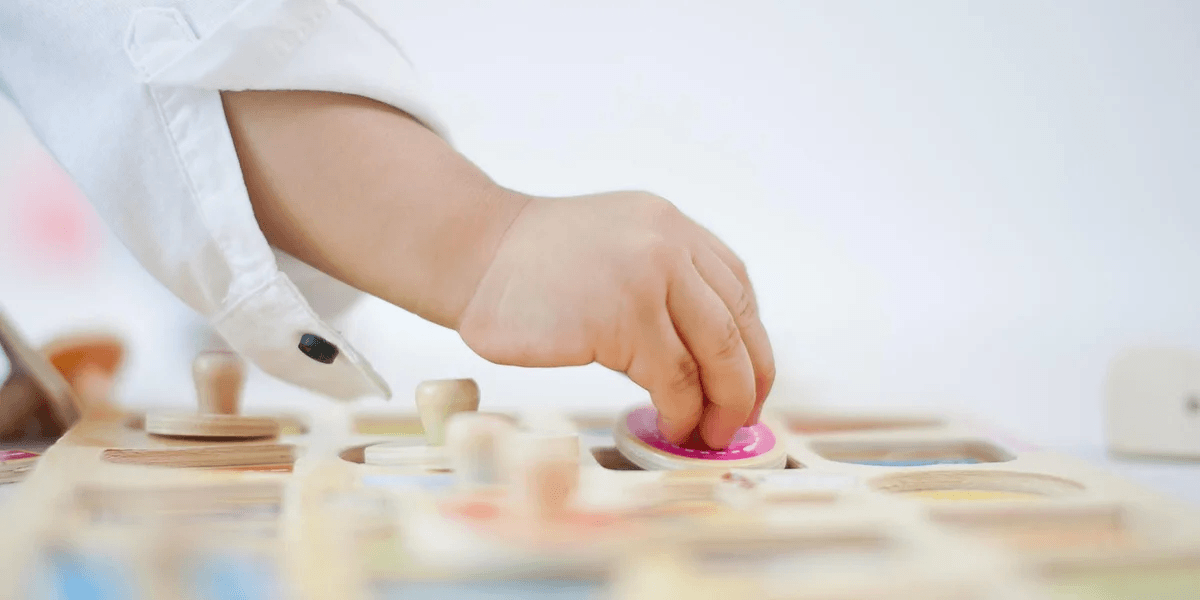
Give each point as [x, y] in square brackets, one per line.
[89, 363]
[638, 439]
[437, 401]
[219, 377]
[15, 464]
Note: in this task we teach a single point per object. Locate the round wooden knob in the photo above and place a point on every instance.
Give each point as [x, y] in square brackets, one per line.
[438, 399]
[219, 378]
[89, 363]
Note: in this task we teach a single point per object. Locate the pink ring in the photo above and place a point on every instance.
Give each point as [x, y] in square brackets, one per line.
[748, 442]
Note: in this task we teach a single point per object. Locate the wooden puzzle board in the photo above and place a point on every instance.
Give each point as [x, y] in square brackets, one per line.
[869, 506]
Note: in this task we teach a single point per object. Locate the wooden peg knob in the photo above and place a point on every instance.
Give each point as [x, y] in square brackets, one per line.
[476, 446]
[89, 363]
[438, 399]
[219, 378]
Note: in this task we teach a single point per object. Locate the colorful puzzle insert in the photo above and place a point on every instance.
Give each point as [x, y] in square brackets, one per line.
[749, 442]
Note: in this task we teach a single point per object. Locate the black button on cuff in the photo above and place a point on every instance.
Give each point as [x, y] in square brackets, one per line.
[318, 348]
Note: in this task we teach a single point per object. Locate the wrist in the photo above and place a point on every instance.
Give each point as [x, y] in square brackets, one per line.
[472, 248]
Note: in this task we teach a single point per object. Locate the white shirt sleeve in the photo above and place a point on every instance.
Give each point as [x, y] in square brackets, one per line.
[125, 95]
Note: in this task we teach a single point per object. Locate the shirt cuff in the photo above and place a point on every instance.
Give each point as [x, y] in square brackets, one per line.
[267, 325]
[317, 45]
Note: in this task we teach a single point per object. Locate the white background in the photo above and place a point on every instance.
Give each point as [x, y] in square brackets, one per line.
[969, 206]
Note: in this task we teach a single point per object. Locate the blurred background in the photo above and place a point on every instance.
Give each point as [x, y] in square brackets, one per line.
[943, 205]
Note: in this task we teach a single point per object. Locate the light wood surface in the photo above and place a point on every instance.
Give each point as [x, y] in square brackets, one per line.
[552, 507]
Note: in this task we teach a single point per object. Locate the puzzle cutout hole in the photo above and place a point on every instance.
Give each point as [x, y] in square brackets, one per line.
[136, 422]
[959, 485]
[1045, 528]
[354, 454]
[595, 425]
[825, 424]
[358, 454]
[610, 458]
[911, 454]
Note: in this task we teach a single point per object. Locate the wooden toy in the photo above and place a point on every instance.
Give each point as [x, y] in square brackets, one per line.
[89, 362]
[638, 438]
[838, 506]
[15, 464]
[36, 402]
[437, 401]
[219, 377]
[1152, 403]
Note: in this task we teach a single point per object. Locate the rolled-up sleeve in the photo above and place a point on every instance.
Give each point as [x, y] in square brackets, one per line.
[125, 94]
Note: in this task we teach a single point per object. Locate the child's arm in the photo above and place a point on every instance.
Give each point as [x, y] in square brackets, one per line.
[363, 192]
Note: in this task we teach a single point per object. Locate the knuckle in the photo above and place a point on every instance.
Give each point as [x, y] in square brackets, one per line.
[664, 256]
[730, 344]
[746, 307]
[685, 377]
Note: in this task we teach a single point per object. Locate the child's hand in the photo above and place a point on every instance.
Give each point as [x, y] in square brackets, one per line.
[628, 281]
[366, 194]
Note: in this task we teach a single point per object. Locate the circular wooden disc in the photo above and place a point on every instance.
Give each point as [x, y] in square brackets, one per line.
[638, 439]
[210, 426]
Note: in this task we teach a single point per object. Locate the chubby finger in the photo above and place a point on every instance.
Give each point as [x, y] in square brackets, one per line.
[764, 368]
[709, 331]
[664, 367]
[739, 299]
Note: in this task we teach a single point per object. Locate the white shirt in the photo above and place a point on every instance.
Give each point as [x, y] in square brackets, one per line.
[125, 95]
